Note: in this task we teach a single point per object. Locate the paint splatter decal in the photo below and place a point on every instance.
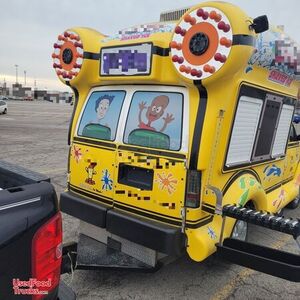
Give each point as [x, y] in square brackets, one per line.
[245, 184]
[77, 154]
[107, 181]
[211, 233]
[280, 200]
[166, 182]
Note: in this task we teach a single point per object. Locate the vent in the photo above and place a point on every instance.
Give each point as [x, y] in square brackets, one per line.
[173, 15]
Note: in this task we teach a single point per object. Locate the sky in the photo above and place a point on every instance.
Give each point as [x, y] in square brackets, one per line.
[28, 28]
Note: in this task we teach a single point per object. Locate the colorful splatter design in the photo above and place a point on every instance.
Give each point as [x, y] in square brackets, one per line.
[107, 181]
[77, 154]
[166, 182]
[245, 184]
[211, 233]
[280, 200]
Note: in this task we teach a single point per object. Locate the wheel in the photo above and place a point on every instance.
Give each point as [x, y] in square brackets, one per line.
[294, 204]
[240, 230]
[5, 111]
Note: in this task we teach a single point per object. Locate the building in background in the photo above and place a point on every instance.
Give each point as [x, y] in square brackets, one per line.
[59, 97]
[40, 95]
[20, 92]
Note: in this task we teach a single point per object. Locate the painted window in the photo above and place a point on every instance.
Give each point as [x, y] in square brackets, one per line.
[101, 114]
[155, 120]
[244, 130]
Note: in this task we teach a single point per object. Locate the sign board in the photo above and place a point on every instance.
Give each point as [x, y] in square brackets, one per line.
[128, 60]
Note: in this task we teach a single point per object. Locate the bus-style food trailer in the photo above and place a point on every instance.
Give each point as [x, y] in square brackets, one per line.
[181, 135]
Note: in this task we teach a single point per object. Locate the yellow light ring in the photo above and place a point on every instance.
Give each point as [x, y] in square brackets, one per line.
[67, 55]
[208, 32]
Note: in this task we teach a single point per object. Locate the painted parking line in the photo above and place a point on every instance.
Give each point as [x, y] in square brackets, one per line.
[227, 290]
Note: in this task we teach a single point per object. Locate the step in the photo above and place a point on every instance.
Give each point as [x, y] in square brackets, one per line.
[92, 254]
[260, 258]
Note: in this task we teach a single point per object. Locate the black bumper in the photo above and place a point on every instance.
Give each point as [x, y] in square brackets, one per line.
[154, 235]
[83, 209]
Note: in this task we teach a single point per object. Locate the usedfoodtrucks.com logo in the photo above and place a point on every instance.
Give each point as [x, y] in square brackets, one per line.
[30, 287]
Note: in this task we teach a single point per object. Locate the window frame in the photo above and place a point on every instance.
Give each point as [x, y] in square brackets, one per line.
[256, 92]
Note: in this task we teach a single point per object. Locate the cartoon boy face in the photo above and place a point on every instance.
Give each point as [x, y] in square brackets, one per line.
[102, 106]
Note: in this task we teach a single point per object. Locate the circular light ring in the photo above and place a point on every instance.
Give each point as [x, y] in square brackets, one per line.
[201, 43]
[67, 55]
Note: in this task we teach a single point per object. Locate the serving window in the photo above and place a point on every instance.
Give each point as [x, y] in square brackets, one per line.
[261, 127]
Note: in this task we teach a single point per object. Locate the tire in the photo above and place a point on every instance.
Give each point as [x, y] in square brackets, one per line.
[5, 111]
[294, 204]
[240, 231]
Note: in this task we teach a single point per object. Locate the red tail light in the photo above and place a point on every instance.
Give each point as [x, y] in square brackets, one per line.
[192, 195]
[47, 256]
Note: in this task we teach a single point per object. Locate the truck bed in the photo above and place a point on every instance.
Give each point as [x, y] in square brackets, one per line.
[27, 202]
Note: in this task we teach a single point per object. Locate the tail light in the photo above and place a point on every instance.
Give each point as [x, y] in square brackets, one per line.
[47, 256]
[192, 195]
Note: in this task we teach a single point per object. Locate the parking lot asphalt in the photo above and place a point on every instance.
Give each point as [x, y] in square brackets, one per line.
[34, 135]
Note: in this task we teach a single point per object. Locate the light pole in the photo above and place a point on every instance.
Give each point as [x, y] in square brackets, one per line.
[24, 77]
[16, 73]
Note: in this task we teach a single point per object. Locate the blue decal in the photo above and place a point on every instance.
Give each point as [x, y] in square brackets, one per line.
[211, 233]
[272, 170]
[107, 182]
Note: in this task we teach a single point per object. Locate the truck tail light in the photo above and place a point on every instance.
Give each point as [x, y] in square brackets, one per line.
[192, 195]
[47, 256]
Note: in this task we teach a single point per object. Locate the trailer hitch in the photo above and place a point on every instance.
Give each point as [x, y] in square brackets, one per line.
[260, 258]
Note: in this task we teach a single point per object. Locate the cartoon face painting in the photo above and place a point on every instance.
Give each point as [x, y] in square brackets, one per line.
[154, 112]
[102, 106]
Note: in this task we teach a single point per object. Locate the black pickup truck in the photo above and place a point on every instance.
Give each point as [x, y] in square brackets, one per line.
[30, 237]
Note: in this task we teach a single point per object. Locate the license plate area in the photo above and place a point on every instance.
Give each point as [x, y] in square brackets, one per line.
[137, 177]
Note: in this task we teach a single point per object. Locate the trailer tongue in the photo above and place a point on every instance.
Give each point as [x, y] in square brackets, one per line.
[260, 258]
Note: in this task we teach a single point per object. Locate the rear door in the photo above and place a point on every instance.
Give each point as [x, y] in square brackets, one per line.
[93, 150]
[150, 163]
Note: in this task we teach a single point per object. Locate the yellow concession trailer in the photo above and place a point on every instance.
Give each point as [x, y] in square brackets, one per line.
[181, 135]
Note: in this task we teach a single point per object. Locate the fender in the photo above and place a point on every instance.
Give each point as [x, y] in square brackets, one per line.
[201, 241]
